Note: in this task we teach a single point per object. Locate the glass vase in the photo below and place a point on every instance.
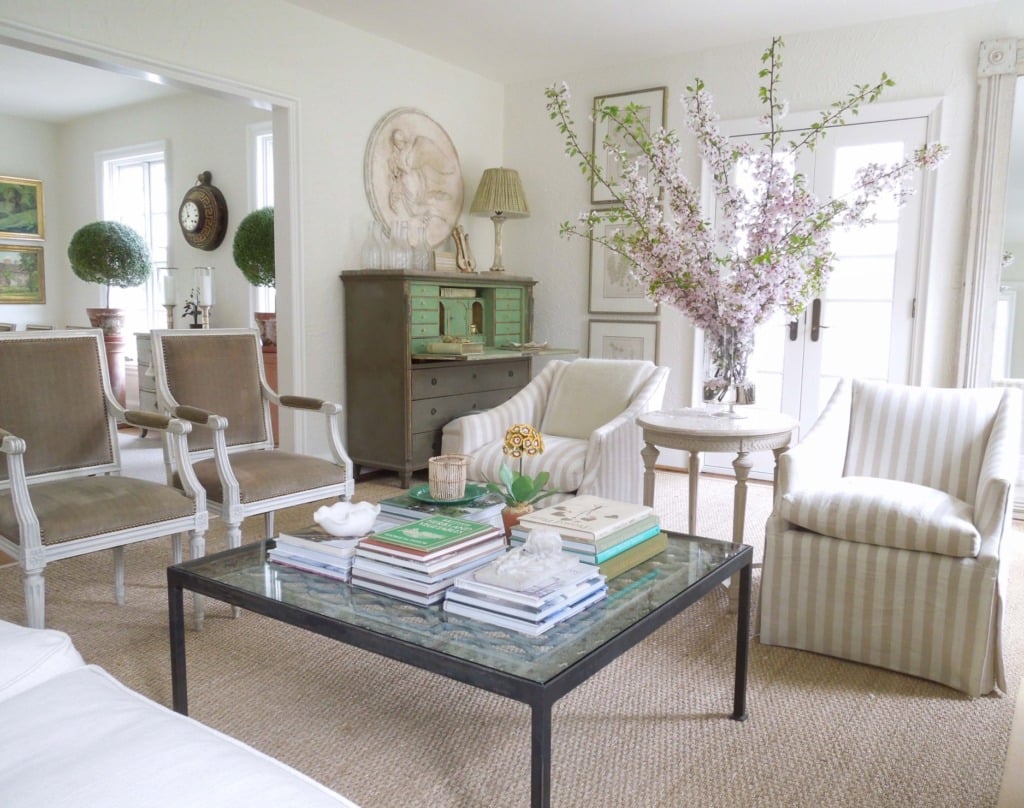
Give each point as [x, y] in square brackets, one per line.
[372, 254]
[399, 254]
[725, 380]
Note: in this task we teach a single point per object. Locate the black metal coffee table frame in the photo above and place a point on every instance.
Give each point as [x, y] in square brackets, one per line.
[539, 696]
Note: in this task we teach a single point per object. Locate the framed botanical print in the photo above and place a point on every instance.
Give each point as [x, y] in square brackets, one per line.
[21, 274]
[21, 208]
[624, 339]
[613, 288]
[651, 105]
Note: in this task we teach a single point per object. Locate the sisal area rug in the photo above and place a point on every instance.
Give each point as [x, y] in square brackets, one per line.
[649, 730]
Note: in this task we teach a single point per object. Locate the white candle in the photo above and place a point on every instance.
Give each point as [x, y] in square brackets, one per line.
[206, 289]
[168, 285]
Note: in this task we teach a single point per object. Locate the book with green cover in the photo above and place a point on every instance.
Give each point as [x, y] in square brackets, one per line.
[638, 554]
[434, 534]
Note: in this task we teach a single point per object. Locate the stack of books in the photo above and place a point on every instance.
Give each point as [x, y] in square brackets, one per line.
[530, 603]
[418, 561]
[613, 536]
[316, 550]
[486, 508]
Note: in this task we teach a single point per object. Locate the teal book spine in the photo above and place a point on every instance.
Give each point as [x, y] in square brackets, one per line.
[611, 552]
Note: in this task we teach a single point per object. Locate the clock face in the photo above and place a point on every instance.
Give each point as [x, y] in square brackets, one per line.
[190, 216]
[203, 215]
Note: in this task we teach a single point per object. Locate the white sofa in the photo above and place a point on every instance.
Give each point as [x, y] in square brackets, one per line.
[72, 735]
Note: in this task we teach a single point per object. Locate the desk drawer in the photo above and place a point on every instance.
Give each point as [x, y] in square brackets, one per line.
[471, 377]
[434, 413]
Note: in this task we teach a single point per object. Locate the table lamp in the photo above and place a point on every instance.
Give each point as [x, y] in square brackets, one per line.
[500, 195]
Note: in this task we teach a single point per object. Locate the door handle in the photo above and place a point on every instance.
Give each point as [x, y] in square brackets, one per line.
[816, 325]
[794, 325]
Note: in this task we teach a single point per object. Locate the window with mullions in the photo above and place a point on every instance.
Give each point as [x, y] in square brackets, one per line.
[133, 191]
[261, 162]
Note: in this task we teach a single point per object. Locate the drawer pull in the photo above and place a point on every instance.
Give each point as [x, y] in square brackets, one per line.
[433, 410]
[433, 381]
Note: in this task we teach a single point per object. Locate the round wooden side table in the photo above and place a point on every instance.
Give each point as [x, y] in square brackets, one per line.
[695, 431]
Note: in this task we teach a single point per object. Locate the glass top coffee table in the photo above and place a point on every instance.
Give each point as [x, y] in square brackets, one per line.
[534, 670]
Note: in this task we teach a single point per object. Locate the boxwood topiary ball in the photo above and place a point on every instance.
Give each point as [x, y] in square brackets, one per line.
[109, 253]
[253, 247]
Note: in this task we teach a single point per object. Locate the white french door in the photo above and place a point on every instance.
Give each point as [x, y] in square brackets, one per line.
[863, 323]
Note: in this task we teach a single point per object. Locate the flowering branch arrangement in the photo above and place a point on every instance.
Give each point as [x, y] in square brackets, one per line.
[770, 246]
[521, 440]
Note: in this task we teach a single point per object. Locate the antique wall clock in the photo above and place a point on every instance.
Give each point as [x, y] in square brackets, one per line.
[203, 214]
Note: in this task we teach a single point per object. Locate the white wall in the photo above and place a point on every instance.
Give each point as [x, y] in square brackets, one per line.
[30, 150]
[342, 81]
[932, 56]
[201, 133]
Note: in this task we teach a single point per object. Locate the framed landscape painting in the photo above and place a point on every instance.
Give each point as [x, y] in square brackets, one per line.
[21, 208]
[21, 274]
[624, 339]
[652, 113]
[613, 289]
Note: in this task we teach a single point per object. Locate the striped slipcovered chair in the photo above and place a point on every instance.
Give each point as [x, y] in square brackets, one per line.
[586, 410]
[890, 525]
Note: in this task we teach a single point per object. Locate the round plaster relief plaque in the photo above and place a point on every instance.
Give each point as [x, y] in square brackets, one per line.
[412, 173]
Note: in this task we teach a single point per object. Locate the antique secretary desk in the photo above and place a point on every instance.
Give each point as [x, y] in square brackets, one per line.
[399, 395]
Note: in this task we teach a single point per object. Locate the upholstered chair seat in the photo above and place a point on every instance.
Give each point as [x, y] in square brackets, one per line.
[891, 525]
[586, 411]
[268, 475]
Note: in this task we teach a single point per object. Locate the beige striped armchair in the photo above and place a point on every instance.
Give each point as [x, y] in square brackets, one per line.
[586, 410]
[891, 523]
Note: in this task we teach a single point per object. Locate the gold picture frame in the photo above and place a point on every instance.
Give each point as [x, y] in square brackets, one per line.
[21, 208]
[22, 275]
[652, 104]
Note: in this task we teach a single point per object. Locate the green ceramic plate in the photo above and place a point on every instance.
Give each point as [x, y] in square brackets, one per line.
[473, 491]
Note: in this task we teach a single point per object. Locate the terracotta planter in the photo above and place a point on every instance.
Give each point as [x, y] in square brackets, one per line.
[510, 516]
[266, 322]
[111, 321]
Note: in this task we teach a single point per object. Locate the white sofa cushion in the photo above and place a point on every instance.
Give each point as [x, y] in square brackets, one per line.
[589, 393]
[84, 739]
[888, 513]
[563, 460]
[30, 656]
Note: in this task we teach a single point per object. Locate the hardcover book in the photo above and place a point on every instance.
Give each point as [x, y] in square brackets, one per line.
[530, 627]
[431, 536]
[605, 547]
[634, 556]
[587, 554]
[587, 517]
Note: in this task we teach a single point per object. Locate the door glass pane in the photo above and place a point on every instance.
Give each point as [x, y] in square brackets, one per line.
[856, 337]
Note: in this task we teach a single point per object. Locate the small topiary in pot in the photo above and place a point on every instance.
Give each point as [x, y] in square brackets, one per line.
[111, 254]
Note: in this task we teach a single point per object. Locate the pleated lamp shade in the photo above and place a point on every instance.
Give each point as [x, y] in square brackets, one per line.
[500, 192]
[500, 195]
